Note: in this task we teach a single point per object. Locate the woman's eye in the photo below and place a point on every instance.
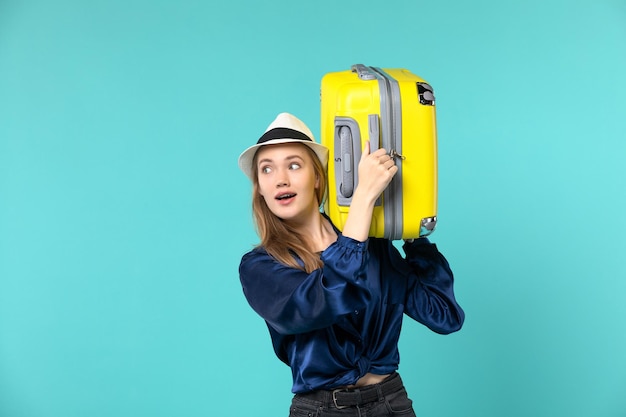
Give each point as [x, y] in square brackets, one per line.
[294, 165]
[266, 170]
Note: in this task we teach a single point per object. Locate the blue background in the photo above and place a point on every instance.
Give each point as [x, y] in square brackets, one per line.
[123, 214]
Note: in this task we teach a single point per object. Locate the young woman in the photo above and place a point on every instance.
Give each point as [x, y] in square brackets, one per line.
[334, 301]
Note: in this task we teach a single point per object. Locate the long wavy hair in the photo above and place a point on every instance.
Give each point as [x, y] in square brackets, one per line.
[278, 238]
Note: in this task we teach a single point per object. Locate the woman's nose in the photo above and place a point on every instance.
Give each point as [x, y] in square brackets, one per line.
[281, 179]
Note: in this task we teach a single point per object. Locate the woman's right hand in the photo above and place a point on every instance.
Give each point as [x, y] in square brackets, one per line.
[376, 171]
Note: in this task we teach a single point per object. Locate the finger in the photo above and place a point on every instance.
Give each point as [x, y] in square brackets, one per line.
[378, 153]
[386, 158]
[387, 166]
[366, 150]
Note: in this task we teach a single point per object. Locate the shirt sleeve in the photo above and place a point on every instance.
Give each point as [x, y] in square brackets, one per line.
[430, 296]
[293, 301]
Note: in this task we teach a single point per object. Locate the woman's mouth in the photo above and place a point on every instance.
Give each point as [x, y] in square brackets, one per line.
[285, 198]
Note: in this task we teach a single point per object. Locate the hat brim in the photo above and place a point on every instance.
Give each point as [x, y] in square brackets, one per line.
[247, 157]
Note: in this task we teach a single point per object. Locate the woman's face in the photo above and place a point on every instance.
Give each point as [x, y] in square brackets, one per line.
[287, 181]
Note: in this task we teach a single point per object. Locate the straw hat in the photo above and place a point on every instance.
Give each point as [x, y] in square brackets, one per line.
[286, 128]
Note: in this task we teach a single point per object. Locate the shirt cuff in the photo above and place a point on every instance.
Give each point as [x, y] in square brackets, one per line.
[351, 243]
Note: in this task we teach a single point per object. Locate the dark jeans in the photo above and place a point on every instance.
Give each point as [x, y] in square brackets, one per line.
[387, 399]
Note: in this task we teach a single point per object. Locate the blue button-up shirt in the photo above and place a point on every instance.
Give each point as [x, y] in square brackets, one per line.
[339, 322]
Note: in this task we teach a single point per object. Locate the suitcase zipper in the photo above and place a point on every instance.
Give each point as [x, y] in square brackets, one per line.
[391, 134]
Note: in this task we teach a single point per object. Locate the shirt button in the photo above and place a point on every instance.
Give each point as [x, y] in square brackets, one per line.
[356, 312]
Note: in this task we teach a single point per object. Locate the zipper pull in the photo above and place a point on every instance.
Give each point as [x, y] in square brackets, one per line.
[395, 154]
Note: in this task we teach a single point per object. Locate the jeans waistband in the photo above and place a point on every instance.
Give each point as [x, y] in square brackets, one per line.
[350, 397]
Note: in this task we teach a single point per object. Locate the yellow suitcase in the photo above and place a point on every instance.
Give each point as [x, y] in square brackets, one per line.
[393, 109]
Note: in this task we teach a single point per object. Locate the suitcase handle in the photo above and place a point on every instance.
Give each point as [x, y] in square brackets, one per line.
[347, 145]
[348, 141]
[364, 72]
[346, 186]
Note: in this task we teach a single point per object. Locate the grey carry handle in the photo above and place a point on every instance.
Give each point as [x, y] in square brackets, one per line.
[364, 72]
[348, 154]
[346, 151]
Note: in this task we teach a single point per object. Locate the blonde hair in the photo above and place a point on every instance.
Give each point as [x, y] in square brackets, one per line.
[278, 238]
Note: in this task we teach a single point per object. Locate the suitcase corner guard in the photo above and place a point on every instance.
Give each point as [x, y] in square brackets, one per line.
[428, 226]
